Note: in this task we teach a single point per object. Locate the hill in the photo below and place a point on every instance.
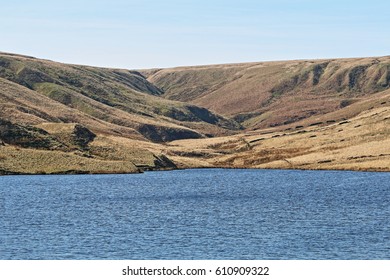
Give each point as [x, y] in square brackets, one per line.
[105, 99]
[260, 95]
[320, 114]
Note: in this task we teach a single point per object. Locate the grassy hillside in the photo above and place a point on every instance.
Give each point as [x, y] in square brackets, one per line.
[361, 142]
[97, 98]
[320, 114]
[260, 95]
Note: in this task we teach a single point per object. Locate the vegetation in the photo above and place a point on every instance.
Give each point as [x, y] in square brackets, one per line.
[324, 114]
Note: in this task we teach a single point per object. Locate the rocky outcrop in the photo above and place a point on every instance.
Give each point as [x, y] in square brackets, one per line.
[163, 162]
[166, 134]
[82, 135]
[73, 135]
[48, 136]
[191, 113]
[27, 136]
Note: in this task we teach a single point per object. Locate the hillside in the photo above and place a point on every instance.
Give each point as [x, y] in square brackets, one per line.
[362, 142]
[260, 95]
[320, 114]
[105, 99]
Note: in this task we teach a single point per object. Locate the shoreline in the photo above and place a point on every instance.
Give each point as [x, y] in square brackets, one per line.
[79, 172]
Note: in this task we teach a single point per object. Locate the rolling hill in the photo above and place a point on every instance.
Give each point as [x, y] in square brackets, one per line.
[319, 114]
[259, 95]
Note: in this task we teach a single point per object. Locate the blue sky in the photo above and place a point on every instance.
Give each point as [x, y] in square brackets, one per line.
[147, 34]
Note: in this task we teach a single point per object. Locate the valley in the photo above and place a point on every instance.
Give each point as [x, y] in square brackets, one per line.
[318, 114]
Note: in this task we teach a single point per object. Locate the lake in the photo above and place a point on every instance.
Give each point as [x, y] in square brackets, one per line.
[197, 214]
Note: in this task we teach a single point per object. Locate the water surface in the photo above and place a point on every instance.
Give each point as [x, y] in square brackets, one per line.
[197, 214]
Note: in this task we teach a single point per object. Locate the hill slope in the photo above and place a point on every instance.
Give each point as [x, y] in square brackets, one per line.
[320, 114]
[260, 95]
[100, 98]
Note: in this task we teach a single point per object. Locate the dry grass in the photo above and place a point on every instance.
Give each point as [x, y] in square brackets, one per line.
[28, 161]
[111, 101]
[323, 114]
[280, 92]
[362, 143]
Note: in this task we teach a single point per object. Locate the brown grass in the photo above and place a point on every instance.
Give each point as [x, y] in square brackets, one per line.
[28, 161]
[322, 114]
[280, 92]
[363, 143]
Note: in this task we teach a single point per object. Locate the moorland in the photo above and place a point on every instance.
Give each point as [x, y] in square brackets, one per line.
[58, 118]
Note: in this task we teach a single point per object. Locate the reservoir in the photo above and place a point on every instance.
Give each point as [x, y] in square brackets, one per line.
[197, 214]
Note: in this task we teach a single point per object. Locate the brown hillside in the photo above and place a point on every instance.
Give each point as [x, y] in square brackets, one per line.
[320, 114]
[121, 99]
[260, 95]
[360, 143]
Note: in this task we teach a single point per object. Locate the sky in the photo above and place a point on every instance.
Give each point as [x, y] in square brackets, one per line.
[138, 34]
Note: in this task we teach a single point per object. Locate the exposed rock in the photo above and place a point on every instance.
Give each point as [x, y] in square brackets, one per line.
[82, 135]
[163, 162]
[73, 135]
[26, 136]
[165, 134]
[203, 114]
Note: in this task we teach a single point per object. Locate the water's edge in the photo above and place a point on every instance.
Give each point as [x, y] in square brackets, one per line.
[151, 169]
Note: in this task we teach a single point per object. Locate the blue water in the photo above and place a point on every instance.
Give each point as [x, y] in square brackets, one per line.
[197, 214]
